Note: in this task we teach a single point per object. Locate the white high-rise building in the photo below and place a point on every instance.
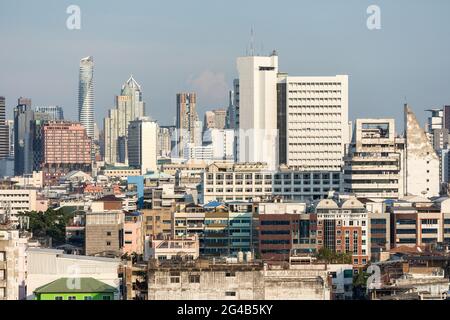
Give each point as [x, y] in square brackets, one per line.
[86, 95]
[129, 106]
[313, 122]
[143, 144]
[257, 115]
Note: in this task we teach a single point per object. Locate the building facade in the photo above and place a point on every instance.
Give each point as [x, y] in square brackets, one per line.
[66, 147]
[374, 166]
[143, 144]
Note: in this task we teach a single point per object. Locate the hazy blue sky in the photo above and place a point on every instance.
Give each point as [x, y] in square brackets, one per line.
[175, 46]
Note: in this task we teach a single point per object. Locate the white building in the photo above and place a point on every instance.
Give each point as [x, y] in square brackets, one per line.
[422, 162]
[313, 122]
[222, 143]
[374, 165]
[194, 152]
[14, 201]
[47, 265]
[143, 144]
[258, 134]
[250, 181]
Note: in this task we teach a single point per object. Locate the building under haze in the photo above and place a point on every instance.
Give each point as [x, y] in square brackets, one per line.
[143, 144]
[23, 137]
[129, 106]
[187, 120]
[54, 113]
[86, 95]
[4, 130]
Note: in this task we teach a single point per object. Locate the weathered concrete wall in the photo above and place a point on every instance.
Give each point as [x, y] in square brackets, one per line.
[422, 162]
[248, 284]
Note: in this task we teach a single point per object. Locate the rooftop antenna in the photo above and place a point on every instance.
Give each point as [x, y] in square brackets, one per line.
[252, 42]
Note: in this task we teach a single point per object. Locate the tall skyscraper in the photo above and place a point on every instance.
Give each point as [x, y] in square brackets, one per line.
[187, 118]
[257, 117]
[86, 95]
[129, 106]
[143, 144]
[54, 113]
[4, 130]
[23, 137]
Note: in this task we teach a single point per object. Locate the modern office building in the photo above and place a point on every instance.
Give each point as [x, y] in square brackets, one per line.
[54, 113]
[65, 148]
[86, 95]
[143, 144]
[186, 121]
[251, 181]
[257, 116]
[4, 131]
[129, 106]
[313, 122]
[23, 137]
[422, 162]
[374, 166]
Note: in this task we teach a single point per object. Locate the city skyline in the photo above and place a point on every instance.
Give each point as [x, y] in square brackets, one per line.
[311, 45]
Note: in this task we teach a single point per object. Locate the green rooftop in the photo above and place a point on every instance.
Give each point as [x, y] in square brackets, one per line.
[90, 285]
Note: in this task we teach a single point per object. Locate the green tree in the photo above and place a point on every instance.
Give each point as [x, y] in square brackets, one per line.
[50, 223]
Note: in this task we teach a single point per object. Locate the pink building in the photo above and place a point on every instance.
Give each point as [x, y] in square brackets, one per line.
[133, 233]
[66, 147]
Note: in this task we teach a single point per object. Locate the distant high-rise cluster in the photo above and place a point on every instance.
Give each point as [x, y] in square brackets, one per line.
[129, 106]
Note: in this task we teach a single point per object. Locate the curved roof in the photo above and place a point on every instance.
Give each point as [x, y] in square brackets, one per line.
[327, 204]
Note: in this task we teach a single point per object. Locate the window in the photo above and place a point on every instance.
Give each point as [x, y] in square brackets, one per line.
[58, 298]
[174, 277]
[194, 278]
[230, 294]
[72, 298]
[108, 233]
[2, 256]
[108, 243]
[106, 298]
[87, 298]
[230, 274]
